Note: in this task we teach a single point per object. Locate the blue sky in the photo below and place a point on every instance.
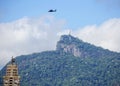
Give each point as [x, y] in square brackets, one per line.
[77, 13]
[27, 27]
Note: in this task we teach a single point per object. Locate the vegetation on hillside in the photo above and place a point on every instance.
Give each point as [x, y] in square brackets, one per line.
[51, 68]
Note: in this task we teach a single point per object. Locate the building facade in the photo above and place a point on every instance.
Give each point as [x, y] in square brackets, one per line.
[11, 78]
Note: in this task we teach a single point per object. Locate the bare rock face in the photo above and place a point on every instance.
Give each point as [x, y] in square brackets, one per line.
[71, 49]
[67, 44]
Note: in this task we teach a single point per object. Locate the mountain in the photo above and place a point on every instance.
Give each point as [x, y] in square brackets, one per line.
[71, 45]
[73, 63]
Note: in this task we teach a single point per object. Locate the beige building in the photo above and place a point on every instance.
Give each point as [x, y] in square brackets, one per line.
[11, 78]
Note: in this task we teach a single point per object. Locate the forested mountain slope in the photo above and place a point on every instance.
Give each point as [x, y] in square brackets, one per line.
[73, 63]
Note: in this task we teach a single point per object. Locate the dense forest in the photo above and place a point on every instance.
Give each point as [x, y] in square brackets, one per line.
[73, 63]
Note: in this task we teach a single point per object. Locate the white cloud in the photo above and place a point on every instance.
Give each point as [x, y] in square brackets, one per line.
[28, 35]
[106, 35]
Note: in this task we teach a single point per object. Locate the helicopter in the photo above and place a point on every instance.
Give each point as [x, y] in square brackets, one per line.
[52, 10]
